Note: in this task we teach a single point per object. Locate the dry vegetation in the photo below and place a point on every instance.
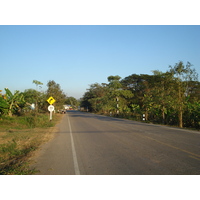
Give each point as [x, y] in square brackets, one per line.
[18, 141]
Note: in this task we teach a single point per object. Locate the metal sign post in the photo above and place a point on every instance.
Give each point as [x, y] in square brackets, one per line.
[50, 116]
[51, 109]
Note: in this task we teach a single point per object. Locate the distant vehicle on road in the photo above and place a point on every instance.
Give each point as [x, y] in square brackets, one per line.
[68, 107]
[62, 111]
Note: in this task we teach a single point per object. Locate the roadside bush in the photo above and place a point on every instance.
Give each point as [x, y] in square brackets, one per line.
[36, 120]
[30, 121]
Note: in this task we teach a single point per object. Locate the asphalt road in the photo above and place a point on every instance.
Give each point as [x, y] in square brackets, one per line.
[89, 144]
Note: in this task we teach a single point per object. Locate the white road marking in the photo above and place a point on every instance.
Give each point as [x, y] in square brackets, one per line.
[76, 168]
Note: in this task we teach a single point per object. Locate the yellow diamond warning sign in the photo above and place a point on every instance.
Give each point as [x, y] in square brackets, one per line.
[51, 100]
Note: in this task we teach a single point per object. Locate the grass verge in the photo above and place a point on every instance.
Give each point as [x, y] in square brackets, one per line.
[20, 137]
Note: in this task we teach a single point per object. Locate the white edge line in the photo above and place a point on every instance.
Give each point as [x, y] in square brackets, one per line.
[76, 168]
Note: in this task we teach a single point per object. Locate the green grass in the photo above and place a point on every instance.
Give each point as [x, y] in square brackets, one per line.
[26, 121]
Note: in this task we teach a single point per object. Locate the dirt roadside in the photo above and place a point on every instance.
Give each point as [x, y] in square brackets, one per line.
[50, 134]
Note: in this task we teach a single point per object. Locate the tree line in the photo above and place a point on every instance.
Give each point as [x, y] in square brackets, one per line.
[171, 97]
[33, 100]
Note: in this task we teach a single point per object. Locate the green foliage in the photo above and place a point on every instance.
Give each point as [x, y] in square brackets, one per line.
[37, 98]
[4, 106]
[55, 91]
[168, 98]
[72, 101]
[107, 98]
[37, 83]
[12, 103]
[28, 120]
[36, 120]
[192, 114]
[183, 74]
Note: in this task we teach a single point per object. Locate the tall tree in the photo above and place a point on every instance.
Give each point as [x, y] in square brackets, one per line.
[172, 97]
[182, 75]
[55, 91]
[94, 99]
[163, 92]
[117, 94]
[32, 96]
[72, 101]
[140, 86]
[37, 83]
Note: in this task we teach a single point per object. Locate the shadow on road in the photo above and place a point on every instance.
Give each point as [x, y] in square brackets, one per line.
[76, 114]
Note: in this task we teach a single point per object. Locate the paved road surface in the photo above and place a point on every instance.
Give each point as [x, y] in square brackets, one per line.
[90, 144]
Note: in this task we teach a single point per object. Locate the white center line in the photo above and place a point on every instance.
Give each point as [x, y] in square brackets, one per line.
[76, 168]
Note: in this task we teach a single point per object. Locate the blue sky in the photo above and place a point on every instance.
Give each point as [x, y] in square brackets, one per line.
[77, 56]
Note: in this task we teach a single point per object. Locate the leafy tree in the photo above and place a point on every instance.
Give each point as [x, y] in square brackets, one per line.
[107, 97]
[170, 97]
[162, 92]
[38, 98]
[182, 75]
[37, 83]
[37, 94]
[140, 86]
[164, 95]
[72, 101]
[94, 99]
[191, 115]
[117, 95]
[55, 91]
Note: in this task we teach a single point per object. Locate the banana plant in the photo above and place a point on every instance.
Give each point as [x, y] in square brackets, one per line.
[3, 106]
[13, 101]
